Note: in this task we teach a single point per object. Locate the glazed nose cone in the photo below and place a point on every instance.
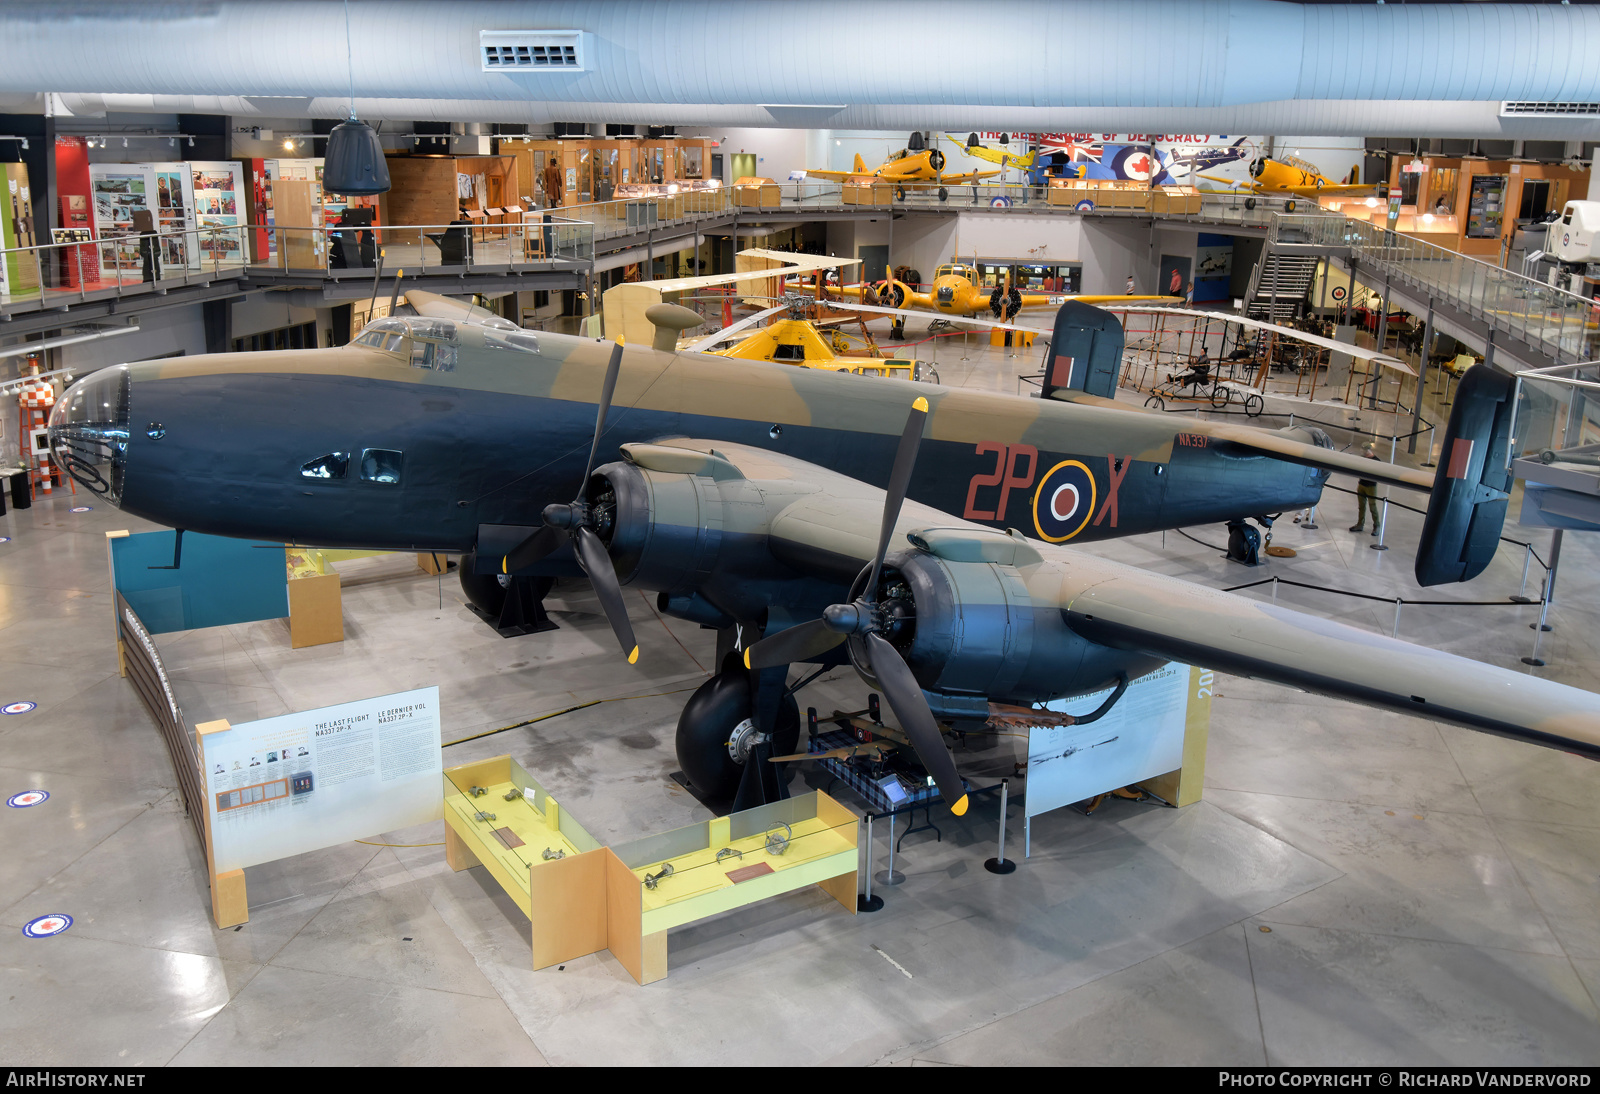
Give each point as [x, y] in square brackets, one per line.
[89, 431]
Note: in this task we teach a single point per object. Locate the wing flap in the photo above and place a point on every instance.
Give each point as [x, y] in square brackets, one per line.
[1169, 618]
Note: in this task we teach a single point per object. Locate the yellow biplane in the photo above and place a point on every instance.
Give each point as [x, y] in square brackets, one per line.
[999, 156]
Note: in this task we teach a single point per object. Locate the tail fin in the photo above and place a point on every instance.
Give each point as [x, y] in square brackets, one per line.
[861, 165]
[1354, 178]
[1085, 352]
[1467, 509]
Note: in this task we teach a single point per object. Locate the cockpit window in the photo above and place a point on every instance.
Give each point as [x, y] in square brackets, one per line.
[526, 343]
[380, 465]
[332, 466]
[440, 356]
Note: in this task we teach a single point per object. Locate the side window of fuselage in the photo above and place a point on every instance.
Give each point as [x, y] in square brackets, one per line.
[332, 466]
[381, 465]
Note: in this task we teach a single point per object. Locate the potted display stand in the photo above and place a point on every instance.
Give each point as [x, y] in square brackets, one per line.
[581, 898]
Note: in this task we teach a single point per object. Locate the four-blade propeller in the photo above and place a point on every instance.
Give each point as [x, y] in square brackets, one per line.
[866, 617]
[578, 522]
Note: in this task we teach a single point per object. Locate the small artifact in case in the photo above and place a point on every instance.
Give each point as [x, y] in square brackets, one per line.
[483, 816]
[778, 842]
[652, 880]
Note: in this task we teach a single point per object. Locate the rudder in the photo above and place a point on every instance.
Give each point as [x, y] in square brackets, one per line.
[1467, 509]
[1085, 351]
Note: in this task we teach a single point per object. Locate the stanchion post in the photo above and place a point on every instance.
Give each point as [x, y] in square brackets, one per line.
[1383, 527]
[1394, 632]
[1538, 628]
[998, 864]
[1522, 588]
[889, 877]
[867, 902]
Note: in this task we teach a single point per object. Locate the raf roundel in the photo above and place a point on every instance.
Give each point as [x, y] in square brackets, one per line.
[28, 798]
[1064, 501]
[21, 707]
[46, 925]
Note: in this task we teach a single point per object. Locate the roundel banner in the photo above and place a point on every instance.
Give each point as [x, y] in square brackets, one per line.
[1084, 206]
[1338, 292]
[1064, 501]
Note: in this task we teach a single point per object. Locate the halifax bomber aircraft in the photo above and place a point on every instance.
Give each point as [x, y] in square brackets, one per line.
[918, 531]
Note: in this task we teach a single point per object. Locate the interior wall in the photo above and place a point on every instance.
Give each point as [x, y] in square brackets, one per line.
[923, 242]
[777, 151]
[266, 311]
[1111, 250]
[161, 333]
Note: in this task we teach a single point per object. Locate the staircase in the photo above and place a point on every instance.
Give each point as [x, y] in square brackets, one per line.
[1287, 277]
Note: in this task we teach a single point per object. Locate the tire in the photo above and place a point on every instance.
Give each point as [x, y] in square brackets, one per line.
[1220, 396]
[1254, 405]
[944, 194]
[1156, 402]
[1288, 206]
[484, 591]
[709, 719]
[899, 193]
[1249, 203]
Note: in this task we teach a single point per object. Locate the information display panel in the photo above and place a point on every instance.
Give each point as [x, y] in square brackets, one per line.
[299, 782]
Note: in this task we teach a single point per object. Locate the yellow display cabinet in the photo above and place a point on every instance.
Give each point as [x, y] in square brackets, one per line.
[667, 880]
[865, 190]
[581, 898]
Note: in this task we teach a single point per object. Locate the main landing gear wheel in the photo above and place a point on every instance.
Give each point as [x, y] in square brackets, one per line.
[944, 194]
[1249, 203]
[711, 718]
[483, 590]
[1156, 402]
[1253, 405]
[1219, 396]
[1288, 206]
[899, 193]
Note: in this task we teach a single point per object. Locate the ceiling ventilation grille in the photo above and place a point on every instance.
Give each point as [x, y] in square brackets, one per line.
[1549, 110]
[532, 50]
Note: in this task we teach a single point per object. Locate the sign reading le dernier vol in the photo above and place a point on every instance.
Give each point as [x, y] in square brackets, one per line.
[283, 786]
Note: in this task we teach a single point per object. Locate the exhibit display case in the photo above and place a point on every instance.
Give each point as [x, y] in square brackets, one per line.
[755, 192]
[500, 814]
[701, 869]
[1123, 194]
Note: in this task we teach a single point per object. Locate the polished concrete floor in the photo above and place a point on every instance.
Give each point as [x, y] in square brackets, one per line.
[1355, 887]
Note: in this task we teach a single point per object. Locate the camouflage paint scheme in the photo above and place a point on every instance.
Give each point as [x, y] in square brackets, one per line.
[506, 432]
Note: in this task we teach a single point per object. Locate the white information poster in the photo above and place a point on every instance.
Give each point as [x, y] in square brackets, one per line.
[219, 199]
[299, 782]
[1139, 738]
[120, 191]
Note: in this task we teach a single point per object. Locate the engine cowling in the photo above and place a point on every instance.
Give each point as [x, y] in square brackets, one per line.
[984, 629]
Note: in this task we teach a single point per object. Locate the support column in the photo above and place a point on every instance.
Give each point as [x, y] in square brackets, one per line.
[1383, 334]
[1422, 380]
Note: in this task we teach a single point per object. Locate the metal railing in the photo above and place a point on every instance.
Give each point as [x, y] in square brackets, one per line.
[334, 250]
[57, 275]
[1558, 323]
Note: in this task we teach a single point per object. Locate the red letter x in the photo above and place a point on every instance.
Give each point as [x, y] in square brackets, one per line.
[1114, 478]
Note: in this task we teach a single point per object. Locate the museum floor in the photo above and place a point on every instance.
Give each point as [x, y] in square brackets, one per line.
[1355, 887]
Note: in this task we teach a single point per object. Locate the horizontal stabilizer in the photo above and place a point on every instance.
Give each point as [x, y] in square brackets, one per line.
[1148, 613]
[1472, 485]
[1284, 447]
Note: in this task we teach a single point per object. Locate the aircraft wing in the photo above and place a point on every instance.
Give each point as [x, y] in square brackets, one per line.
[795, 264]
[1023, 162]
[1361, 353]
[1134, 610]
[966, 178]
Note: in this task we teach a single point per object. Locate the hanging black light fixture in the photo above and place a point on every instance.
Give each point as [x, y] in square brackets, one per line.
[354, 162]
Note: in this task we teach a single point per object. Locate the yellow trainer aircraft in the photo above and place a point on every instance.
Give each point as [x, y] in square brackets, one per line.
[956, 291]
[1000, 156]
[1291, 175]
[906, 169]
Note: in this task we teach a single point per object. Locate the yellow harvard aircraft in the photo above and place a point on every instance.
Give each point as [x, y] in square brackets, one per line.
[1291, 175]
[955, 291]
[908, 169]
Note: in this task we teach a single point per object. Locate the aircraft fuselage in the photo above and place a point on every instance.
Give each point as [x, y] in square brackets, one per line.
[229, 444]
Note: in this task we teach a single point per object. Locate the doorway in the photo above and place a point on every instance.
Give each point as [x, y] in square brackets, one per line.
[874, 262]
[744, 164]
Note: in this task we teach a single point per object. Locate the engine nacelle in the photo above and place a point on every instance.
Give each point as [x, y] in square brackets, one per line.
[665, 531]
[984, 620]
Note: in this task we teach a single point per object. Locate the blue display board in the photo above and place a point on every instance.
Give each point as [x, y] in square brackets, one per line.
[221, 580]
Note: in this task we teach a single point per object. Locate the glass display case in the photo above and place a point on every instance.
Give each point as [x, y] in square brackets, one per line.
[503, 818]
